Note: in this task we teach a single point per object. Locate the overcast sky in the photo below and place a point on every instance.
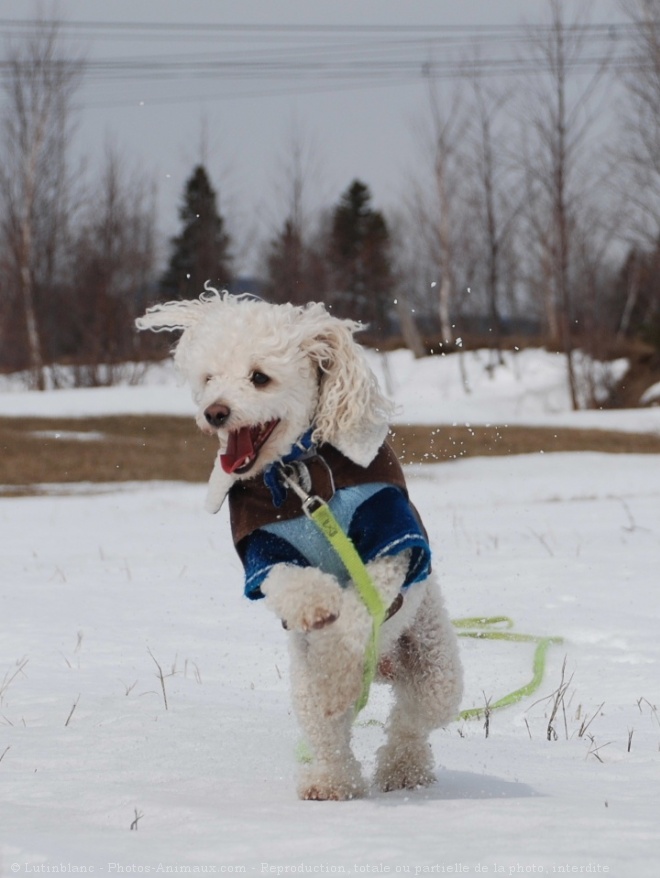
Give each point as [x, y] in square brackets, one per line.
[359, 123]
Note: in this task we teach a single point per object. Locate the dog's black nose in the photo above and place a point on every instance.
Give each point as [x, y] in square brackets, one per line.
[217, 414]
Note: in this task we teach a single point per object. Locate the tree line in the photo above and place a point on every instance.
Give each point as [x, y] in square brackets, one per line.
[534, 208]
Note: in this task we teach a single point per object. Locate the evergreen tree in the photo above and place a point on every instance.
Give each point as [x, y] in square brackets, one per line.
[284, 266]
[295, 269]
[359, 258]
[201, 252]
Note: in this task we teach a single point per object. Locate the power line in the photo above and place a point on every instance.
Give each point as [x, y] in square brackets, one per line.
[278, 27]
[356, 56]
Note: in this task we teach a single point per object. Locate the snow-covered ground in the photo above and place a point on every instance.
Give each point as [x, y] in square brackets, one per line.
[530, 388]
[99, 586]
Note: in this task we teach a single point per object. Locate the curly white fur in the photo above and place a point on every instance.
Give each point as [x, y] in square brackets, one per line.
[224, 336]
[319, 376]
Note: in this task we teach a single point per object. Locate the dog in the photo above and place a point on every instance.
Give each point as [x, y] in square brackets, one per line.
[287, 389]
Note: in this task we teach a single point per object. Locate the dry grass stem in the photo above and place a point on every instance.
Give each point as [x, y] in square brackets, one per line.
[593, 749]
[71, 712]
[558, 701]
[9, 677]
[161, 677]
[586, 723]
[487, 713]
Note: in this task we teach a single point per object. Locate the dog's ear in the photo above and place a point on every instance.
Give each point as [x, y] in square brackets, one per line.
[170, 316]
[184, 315]
[219, 484]
[352, 413]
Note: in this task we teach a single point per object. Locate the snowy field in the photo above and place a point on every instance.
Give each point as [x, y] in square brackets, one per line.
[104, 585]
[530, 388]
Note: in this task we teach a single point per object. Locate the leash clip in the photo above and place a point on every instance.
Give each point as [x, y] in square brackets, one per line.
[290, 475]
[311, 504]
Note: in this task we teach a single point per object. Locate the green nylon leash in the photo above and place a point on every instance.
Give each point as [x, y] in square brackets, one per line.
[326, 522]
[485, 629]
[476, 627]
[318, 511]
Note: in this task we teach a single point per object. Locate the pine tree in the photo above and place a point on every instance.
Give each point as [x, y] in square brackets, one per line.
[202, 251]
[284, 266]
[359, 258]
[295, 268]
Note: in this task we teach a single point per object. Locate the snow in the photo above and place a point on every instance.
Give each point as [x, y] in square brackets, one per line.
[651, 395]
[103, 583]
[529, 388]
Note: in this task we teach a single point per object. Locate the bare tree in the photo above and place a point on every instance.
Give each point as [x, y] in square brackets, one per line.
[39, 85]
[556, 168]
[640, 118]
[496, 196]
[300, 165]
[110, 275]
[408, 283]
[293, 264]
[438, 196]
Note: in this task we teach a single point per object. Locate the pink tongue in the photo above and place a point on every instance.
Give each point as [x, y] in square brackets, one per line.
[240, 450]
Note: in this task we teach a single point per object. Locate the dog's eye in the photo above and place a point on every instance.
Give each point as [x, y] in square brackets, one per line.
[259, 379]
[207, 378]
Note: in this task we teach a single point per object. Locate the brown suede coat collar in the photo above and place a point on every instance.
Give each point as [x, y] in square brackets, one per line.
[251, 504]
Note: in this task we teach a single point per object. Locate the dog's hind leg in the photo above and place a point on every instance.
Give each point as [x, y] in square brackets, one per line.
[427, 682]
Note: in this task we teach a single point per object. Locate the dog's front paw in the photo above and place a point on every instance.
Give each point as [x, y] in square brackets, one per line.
[305, 599]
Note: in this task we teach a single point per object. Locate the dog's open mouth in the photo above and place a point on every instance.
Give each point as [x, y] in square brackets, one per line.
[244, 445]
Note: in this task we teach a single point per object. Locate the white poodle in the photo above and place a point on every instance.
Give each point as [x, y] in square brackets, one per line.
[287, 388]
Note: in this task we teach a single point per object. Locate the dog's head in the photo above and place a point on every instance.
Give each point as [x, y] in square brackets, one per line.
[263, 374]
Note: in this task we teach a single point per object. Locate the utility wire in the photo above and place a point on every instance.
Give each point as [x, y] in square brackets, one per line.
[314, 58]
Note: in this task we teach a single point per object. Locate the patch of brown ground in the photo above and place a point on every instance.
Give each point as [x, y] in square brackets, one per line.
[36, 451]
[416, 444]
[39, 451]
